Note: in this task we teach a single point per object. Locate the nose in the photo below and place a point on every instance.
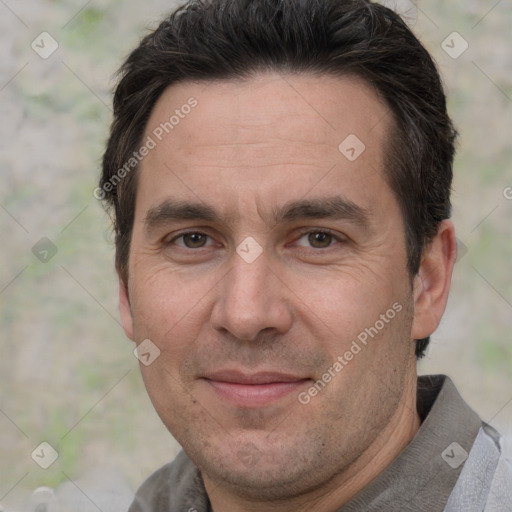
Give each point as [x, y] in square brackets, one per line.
[251, 299]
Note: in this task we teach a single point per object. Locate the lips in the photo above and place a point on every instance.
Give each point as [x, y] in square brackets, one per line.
[253, 389]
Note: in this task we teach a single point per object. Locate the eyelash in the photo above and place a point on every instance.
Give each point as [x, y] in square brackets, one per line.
[304, 232]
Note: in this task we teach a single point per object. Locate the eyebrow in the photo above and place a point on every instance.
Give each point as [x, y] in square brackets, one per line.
[171, 210]
[333, 207]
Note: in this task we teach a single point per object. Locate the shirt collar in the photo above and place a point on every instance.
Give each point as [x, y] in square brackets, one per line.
[423, 475]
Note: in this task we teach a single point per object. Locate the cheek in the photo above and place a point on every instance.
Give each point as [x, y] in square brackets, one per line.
[345, 301]
[168, 306]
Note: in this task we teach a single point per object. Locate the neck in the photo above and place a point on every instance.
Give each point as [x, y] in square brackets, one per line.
[343, 486]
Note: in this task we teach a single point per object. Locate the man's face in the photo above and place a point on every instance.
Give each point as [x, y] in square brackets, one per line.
[293, 250]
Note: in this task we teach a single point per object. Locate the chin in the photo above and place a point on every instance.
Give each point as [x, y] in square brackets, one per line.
[256, 469]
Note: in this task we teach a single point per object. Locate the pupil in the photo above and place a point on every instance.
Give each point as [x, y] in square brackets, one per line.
[320, 239]
[194, 240]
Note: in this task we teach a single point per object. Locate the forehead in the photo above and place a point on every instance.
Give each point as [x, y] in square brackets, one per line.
[279, 134]
[313, 108]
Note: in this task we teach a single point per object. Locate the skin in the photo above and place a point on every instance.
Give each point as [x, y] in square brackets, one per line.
[247, 148]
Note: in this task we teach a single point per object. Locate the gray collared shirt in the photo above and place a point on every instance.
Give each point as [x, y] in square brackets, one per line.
[429, 475]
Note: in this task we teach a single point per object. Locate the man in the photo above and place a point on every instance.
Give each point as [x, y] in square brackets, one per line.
[279, 173]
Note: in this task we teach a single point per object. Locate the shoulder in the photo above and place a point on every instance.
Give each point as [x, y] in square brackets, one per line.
[500, 493]
[485, 483]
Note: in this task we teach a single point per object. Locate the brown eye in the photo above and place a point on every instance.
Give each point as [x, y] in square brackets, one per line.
[194, 240]
[319, 240]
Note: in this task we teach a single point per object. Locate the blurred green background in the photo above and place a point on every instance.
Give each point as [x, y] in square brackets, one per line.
[68, 375]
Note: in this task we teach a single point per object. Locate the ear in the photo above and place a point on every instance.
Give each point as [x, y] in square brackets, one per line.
[125, 309]
[432, 283]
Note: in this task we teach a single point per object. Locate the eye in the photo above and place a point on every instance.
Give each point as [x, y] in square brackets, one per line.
[317, 239]
[191, 240]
